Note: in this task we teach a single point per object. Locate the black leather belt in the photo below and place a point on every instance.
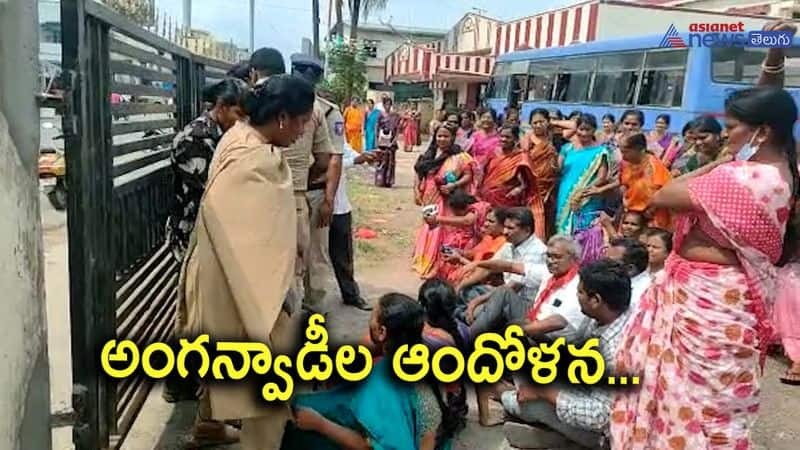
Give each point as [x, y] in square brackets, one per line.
[317, 186]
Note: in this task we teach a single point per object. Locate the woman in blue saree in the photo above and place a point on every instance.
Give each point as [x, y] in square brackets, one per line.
[584, 167]
[371, 126]
[381, 412]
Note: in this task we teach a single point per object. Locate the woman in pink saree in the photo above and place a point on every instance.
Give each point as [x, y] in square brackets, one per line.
[439, 172]
[485, 140]
[787, 318]
[699, 333]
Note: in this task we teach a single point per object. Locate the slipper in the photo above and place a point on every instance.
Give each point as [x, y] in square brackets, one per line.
[212, 434]
[492, 422]
[791, 378]
[527, 436]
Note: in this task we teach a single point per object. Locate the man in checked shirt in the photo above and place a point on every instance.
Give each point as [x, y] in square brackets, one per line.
[580, 414]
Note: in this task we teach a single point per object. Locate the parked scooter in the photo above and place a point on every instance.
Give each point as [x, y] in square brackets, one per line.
[53, 174]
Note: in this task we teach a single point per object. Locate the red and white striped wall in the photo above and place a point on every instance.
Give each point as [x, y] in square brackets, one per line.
[461, 64]
[556, 28]
[426, 62]
[434, 85]
[408, 62]
[412, 63]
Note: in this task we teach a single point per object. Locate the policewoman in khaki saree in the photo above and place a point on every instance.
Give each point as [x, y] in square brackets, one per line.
[236, 282]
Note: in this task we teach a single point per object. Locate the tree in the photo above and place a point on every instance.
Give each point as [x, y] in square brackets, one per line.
[363, 8]
[142, 12]
[347, 72]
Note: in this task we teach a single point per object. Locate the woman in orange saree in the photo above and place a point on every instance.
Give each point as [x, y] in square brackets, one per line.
[543, 157]
[491, 240]
[641, 175]
[700, 332]
[507, 176]
[354, 117]
[442, 169]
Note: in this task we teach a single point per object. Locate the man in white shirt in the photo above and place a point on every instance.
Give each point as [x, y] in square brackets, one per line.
[633, 255]
[522, 263]
[579, 414]
[556, 312]
[341, 234]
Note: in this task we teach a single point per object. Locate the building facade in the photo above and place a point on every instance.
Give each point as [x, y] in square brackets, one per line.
[204, 43]
[459, 66]
[788, 9]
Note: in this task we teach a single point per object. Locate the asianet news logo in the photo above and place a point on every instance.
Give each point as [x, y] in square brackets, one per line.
[725, 35]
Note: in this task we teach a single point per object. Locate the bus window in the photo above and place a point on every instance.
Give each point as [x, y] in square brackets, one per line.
[574, 77]
[662, 79]
[498, 87]
[542, 78]
[616, 78]
[518, 88]
[743, 65]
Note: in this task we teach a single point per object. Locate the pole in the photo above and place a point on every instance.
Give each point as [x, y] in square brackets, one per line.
[315, 18]
[187, 14]
[252, 26]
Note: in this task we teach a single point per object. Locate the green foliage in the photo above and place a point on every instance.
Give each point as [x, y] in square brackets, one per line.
[347, 72]
[139, 11]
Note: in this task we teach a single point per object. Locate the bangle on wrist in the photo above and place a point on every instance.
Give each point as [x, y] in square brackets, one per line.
[776, 69]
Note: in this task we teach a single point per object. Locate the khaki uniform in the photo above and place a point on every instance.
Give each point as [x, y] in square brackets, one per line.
[315, 140]
[319, 263]
[236, 277]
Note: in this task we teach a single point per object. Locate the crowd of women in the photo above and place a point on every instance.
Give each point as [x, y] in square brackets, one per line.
[719, 199]
[382, 128]
[696, 336]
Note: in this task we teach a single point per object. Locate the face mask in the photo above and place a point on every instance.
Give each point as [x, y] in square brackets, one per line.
[748, 150]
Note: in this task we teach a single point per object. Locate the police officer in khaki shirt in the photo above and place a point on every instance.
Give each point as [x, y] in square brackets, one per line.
[314, 197]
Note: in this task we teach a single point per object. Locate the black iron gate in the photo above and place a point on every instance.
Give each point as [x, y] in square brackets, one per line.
[122, 275]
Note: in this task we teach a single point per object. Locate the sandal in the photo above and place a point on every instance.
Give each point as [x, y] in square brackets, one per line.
[791, 378]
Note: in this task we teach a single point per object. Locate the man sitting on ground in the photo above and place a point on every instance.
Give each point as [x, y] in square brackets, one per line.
[579, 413]
[522, 262]
[634, 256]
[556, 311]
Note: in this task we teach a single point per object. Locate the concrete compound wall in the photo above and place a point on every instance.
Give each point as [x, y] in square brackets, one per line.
[24, 379]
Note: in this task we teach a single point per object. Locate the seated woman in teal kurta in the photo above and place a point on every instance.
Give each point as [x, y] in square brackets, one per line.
[380, 413]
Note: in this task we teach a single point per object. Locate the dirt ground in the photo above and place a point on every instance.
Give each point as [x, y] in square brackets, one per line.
[382, 265]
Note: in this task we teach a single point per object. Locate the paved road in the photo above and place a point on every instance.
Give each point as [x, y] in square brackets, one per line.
[164, 426]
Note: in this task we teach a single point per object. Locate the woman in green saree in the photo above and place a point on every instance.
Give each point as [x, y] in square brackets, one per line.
[584, 167]
[382, 412]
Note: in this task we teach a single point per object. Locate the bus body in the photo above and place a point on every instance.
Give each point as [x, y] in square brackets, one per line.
[611, 76]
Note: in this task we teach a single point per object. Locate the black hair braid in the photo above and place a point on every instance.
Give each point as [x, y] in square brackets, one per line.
[438, 301]
[451, 423]
[403, 318]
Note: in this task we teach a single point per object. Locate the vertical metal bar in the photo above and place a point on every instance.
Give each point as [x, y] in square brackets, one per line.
[315, 18]
[87, 125]
[252, 26]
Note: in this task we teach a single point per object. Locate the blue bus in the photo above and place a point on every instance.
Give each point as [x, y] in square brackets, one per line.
[611, 76]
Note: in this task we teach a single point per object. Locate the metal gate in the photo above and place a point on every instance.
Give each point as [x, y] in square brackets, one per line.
[123, 277]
